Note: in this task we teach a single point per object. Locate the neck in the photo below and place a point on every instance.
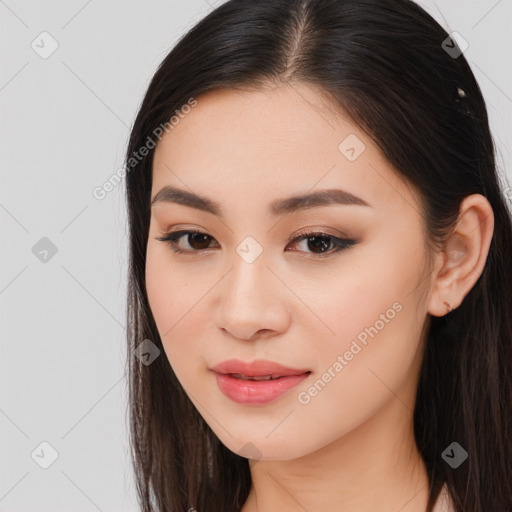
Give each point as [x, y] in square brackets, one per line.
[375, 467]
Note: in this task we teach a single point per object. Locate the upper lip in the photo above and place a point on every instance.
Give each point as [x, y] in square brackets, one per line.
[257, 368]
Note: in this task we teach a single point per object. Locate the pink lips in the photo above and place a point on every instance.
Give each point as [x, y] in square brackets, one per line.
[235, 379]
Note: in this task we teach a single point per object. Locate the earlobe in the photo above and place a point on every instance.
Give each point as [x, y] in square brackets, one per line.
[463, 258]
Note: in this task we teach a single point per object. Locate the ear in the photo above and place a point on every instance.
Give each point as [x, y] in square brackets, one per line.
[462, 261]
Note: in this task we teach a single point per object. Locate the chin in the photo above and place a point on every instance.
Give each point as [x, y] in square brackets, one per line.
[258, 447]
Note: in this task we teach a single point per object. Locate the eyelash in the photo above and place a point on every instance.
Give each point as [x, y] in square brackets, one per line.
[172, 239]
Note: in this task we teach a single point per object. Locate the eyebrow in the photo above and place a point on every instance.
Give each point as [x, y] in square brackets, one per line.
[326, 197]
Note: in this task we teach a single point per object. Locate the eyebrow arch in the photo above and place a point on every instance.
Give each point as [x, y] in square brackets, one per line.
[326, 197]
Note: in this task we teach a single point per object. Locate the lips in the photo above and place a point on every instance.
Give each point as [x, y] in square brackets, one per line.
[256, 370]
[256, 383]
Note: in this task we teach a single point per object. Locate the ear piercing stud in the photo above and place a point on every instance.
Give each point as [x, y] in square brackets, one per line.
[448, 305]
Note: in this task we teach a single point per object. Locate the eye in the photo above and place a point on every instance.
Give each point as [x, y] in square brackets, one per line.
[321, 244]
[196, 239]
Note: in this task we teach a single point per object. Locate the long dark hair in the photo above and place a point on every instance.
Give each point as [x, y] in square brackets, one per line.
[390, 66]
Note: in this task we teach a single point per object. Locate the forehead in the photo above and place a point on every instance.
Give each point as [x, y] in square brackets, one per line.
[271, 143]
[268, 124]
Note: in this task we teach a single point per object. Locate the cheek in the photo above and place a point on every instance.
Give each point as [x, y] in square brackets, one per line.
[179, 307]
[370, 291]
[170, 305]
[373, 337]
[160, 288]
[372, 363]
[350, 299]
[168, 287]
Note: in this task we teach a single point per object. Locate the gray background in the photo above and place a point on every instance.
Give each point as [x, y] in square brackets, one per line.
[64, 124]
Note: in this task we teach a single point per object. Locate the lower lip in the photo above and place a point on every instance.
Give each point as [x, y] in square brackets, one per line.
[257, 391]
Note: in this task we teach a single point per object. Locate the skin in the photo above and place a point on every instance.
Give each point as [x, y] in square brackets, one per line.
[351, 447]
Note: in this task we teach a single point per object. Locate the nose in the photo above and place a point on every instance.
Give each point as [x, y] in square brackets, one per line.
[251, 302]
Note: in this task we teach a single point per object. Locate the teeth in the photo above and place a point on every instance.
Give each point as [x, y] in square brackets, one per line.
[245, 377]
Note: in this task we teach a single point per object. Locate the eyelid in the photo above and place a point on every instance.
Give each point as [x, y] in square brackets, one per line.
[312, 231]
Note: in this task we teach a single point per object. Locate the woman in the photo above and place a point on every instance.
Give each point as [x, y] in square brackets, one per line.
[320, 268]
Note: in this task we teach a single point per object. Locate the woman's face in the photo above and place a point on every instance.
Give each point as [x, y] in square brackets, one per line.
[349, 317]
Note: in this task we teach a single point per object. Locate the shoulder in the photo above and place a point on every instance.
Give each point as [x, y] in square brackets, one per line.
[444, 503]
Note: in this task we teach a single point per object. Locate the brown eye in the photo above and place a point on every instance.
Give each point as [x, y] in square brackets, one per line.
[197, 240]
[324, 244]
